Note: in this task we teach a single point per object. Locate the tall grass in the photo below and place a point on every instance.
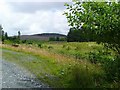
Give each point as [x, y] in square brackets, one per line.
[74, 49]
[60, 70]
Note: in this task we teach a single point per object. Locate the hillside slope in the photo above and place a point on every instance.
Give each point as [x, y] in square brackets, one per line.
[43, 36]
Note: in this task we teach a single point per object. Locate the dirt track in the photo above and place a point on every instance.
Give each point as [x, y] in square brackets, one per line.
[16, 77]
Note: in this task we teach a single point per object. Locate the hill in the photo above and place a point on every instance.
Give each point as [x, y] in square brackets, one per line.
[43, 36]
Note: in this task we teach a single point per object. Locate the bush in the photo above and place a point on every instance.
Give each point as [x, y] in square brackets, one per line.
[112, 69]
[101, 56]
[40, 45]
[30, 43]
[110, 64]
[50, 47]
[24, 41]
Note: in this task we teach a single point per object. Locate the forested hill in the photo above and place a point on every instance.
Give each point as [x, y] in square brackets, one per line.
[50, 34]
[43, 36]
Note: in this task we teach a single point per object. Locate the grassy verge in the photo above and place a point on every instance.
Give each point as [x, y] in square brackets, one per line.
[56, 69]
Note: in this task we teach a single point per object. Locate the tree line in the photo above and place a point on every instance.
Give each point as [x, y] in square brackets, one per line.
[95, 21]
[4, 36]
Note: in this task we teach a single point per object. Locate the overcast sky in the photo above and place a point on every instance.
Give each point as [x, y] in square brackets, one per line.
[33, 16]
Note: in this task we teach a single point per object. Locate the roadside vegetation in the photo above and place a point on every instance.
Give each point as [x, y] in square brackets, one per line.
[59, 66]
[90, 58]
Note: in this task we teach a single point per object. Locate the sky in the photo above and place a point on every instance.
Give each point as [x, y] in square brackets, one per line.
[33, 16]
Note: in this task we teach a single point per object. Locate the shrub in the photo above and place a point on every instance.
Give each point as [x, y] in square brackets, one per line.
[30, 43]
[24, 41]
[101, 56]
[93, 56]
[50, 47]
[57, 39]
[112, 69]
[15, 45]
[40, 45]
[110, 64]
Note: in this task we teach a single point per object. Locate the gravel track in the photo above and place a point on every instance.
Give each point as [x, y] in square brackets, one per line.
[14, 76]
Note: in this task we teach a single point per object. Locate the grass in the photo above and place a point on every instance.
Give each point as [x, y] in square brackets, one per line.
[74, 49]
[57, 66]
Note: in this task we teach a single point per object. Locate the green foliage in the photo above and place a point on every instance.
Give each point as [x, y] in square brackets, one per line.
[50, 47]
[40, 45]
[112, 69]
[19, 35]
[57, 39]
[68, 48]
[96, 66]
[62, 39]
[62, 74]
[100, 20]
[110, 63]
[15, 40]
[81, 78]
[6, 35]
[64, 46]
[2, 35]
[85, 77]
[1, 31]
[75, 35]
[100, 56]
[24, 41]
[30, 43]
[78, 55]
[52, 39]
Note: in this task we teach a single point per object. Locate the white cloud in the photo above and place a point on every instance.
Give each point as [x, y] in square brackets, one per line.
[39, 0]
[41, 21]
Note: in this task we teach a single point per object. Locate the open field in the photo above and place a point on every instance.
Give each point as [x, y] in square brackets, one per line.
[61, 64]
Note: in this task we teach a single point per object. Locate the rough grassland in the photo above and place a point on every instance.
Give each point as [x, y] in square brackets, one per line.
[56, 69]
